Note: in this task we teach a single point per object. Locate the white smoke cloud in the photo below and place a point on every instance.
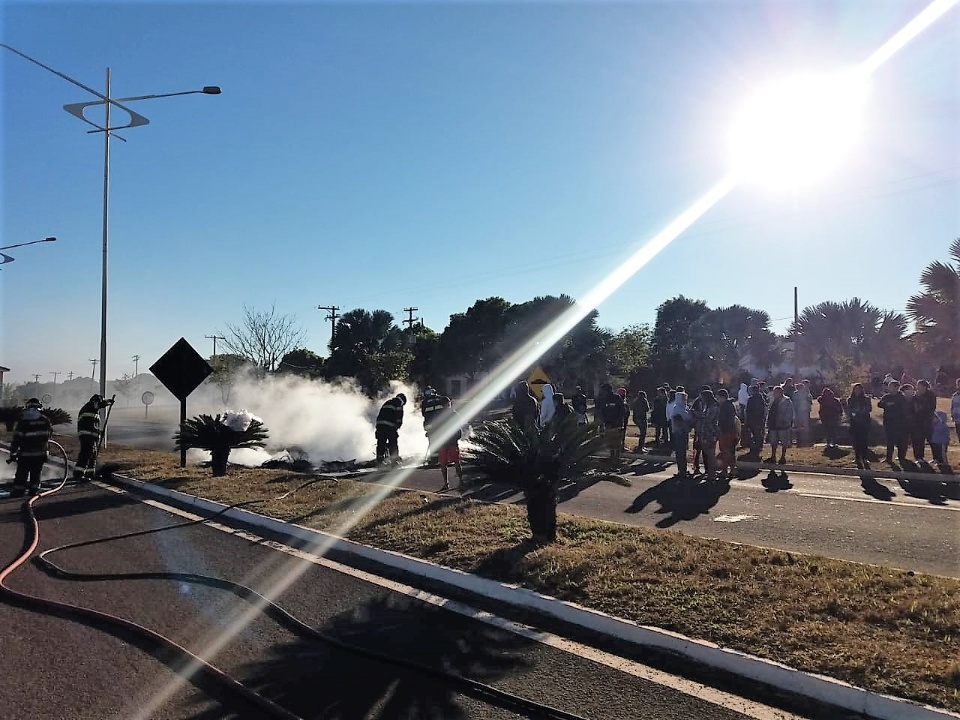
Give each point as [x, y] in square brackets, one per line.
[328, 421]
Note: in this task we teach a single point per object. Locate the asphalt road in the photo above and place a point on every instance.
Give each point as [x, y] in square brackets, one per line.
[55, 668]
[836, 516]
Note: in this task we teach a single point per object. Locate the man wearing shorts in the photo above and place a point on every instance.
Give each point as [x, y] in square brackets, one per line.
[449, 453]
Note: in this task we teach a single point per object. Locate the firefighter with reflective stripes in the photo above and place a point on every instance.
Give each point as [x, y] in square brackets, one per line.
[88, 428]
[29, 448]
[432, 408]
[389, 420]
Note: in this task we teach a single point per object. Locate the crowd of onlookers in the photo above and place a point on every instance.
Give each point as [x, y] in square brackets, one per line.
[716, 422]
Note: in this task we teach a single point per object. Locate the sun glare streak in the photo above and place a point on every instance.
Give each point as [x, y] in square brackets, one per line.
[290, 569]
[929, 15]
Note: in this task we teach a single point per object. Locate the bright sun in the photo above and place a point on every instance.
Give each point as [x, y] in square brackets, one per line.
[794, 132]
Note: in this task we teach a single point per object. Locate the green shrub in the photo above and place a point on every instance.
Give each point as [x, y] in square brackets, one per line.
[213, 433]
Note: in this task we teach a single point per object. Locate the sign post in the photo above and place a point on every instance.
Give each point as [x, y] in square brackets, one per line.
[181, 370]
[146, 399]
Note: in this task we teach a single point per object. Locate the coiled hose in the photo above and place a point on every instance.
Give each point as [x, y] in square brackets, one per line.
[209, 678]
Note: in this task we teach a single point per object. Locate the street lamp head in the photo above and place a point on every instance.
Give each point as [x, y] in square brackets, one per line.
[49, 239]
[211, 90]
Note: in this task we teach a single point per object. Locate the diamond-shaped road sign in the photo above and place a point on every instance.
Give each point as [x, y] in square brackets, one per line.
[181, 369]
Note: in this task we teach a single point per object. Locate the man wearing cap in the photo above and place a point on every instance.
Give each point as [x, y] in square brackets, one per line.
[29, 448]
[389, 420]
[88, 428]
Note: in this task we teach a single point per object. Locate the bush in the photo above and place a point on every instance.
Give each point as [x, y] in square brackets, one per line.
[220, 434]
[57, 416]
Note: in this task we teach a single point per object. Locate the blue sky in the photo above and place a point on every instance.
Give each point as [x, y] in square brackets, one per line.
[385, 155]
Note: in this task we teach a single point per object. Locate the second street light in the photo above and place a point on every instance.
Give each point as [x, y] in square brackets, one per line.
[136, 120]
[7, 259]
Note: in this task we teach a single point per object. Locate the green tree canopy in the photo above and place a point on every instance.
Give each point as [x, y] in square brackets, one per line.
[936, 310]
[853, 329]
[671, 333]
[368, 346]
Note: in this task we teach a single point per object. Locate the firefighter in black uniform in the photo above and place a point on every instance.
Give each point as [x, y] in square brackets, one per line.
[389, 420]
[29, 448]
[88, 428]
[432, 408]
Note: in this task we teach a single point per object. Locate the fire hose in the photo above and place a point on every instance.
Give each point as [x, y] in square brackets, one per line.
[208, 678]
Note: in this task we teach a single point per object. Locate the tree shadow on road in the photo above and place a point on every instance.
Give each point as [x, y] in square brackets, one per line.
[681, 499]
[80, 502]
[933, 491]
[775, 481]
[875, 489]
[648, 467]
[315, 679]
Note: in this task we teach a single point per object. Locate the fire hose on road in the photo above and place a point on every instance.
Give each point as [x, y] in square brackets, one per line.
[208, 678]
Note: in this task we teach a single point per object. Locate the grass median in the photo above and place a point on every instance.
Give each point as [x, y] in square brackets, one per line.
[878, 628]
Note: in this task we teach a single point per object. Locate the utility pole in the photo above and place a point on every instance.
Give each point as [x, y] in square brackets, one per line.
[410, 319]
[93, 374]
[214, 338]
[55, 376]
[36, 378]
[796, 335]
[332, 317]
[136, 365]
[70, 375]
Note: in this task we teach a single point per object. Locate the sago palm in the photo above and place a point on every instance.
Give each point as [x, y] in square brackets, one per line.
[219, 435]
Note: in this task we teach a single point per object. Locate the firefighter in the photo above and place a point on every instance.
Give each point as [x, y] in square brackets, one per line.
[389, 420]
[29, 448]
[432, 408]
[88, 428]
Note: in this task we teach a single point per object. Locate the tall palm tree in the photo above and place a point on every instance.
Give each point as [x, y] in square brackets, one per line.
[936, 311]
[721, 339]
[852, 328]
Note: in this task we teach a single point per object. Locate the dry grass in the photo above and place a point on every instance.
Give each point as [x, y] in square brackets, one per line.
[882, 629]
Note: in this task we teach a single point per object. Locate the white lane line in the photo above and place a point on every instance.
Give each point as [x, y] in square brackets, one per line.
[748, 708]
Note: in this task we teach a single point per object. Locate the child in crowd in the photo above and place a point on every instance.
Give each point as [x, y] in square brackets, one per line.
[940, 437]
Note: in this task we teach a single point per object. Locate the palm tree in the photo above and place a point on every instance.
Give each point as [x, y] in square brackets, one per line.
[936, 311]
[536, 462]
[852, 328]
[220, 434]
[721, 339]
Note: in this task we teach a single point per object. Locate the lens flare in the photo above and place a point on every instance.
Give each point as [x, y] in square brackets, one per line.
[286, 570]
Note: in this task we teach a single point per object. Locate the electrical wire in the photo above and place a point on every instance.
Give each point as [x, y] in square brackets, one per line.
[212, 677]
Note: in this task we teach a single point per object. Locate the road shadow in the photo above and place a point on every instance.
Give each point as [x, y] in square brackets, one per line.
[648, 467]
[836, 452]
[575, 486]
[775, 481]
[76, 501]
[312, 678]
[933, 491]
[491, 491]
[875, 489]
[680, 499]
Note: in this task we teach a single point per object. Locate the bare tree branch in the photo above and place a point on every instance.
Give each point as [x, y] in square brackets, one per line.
[264, 337]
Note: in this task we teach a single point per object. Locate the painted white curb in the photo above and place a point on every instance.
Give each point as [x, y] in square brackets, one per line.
[818, 687]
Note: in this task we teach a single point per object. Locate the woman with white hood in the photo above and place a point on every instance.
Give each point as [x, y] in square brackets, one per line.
[547, 406]
[743, 397]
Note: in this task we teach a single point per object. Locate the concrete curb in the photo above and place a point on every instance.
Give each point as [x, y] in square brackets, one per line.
[816, 687]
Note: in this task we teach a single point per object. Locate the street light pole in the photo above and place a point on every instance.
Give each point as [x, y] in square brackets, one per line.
[106, 207]
[136, 120]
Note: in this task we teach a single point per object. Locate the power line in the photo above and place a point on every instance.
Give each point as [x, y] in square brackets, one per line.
[410, 318]
[215, 338]
[332, 317]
